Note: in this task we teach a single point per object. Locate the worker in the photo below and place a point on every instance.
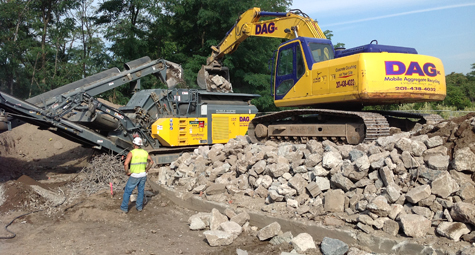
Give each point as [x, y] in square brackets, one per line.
[140, 162]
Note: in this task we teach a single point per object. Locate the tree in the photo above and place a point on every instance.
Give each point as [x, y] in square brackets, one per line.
[127, 25]
[194, 26]
[471, 75]
[51, 25]
[329, 34]
[127, 28]
[90, 52]
[15, 39]
[459, 91]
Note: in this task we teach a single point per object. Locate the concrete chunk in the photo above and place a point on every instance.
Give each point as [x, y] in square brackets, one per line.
[434, 141]
[281, 167]
[216, 219]
[334, 201]
[197, 224]
[298, 183]
[218, 238]
[391, 227]
[418, 193]
[438, 162]
[340, 181]
[408, 160]
[415, 225]
[395, 210]
[269, 231]
[332, 246]
[313, 189]
[303, 242]
[463, 212]
[452, 230]
[379, 206]
[323, 183]
[331, 159]
[282, 238]
[386, 176]
[232, 228]
[216, 188]
[205, 217]
[464, 160]
[444, 185]
[241, 218]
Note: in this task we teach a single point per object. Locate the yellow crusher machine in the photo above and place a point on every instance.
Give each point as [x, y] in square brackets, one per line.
[330, 86]
[170, 121]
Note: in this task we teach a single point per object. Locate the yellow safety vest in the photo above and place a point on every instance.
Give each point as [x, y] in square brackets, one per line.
[139, 161]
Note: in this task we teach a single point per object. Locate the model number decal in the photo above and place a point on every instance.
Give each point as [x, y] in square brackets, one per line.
[350, 82]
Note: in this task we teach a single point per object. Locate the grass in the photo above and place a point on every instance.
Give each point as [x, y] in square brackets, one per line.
[447, 112]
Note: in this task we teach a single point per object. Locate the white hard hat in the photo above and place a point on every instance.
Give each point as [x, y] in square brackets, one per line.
[138, 141]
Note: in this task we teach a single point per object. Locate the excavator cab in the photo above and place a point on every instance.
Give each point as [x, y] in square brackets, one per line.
[294, 59]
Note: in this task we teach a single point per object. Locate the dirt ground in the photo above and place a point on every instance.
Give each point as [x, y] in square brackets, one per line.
[94, 226]
[87, 225]
[32, 158]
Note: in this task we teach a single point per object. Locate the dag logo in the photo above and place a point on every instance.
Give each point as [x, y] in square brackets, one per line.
[265, 28]
[398, 68]
[244, 119]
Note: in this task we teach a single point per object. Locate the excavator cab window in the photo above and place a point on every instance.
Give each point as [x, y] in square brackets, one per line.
[321, 52]
[285, 69]
[290, 67]
[286, 62]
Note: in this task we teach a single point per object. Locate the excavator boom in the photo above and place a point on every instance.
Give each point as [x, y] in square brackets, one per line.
[285, 25]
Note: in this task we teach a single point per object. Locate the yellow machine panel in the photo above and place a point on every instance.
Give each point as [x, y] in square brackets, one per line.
[370, 79]
[402, 78]
[227, 126]
[172, 132]
[181, 131]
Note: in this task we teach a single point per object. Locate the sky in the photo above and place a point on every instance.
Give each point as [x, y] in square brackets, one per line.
[440, 28]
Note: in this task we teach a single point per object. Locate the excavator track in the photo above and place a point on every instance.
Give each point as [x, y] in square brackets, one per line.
[351, 127]
[406, 121]
[426, 118]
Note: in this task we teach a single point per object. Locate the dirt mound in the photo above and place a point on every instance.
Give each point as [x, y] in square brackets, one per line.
[34, 152]
[457, 132]
[20, 194]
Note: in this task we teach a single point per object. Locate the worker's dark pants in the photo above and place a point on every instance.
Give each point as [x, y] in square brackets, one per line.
[129, 187]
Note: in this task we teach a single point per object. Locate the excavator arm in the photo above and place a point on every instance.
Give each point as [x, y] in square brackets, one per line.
[284, 25]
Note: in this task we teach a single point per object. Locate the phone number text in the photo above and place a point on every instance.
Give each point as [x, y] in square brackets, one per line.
[416, 88]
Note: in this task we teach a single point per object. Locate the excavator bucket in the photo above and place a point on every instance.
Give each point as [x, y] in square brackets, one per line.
[174, 74]
[170, 73]
[214, 79]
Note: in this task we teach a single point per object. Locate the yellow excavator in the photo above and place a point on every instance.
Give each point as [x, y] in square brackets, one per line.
[330, 86]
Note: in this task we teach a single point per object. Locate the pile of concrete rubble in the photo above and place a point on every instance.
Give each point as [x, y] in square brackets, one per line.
[225, 228]
[408, 184]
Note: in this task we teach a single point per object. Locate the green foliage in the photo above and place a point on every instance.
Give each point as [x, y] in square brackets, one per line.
[329, 34]
[459, 101]
[388, 107]
[194, 26]
[49, 43]
[40, 46]
[460, 91]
